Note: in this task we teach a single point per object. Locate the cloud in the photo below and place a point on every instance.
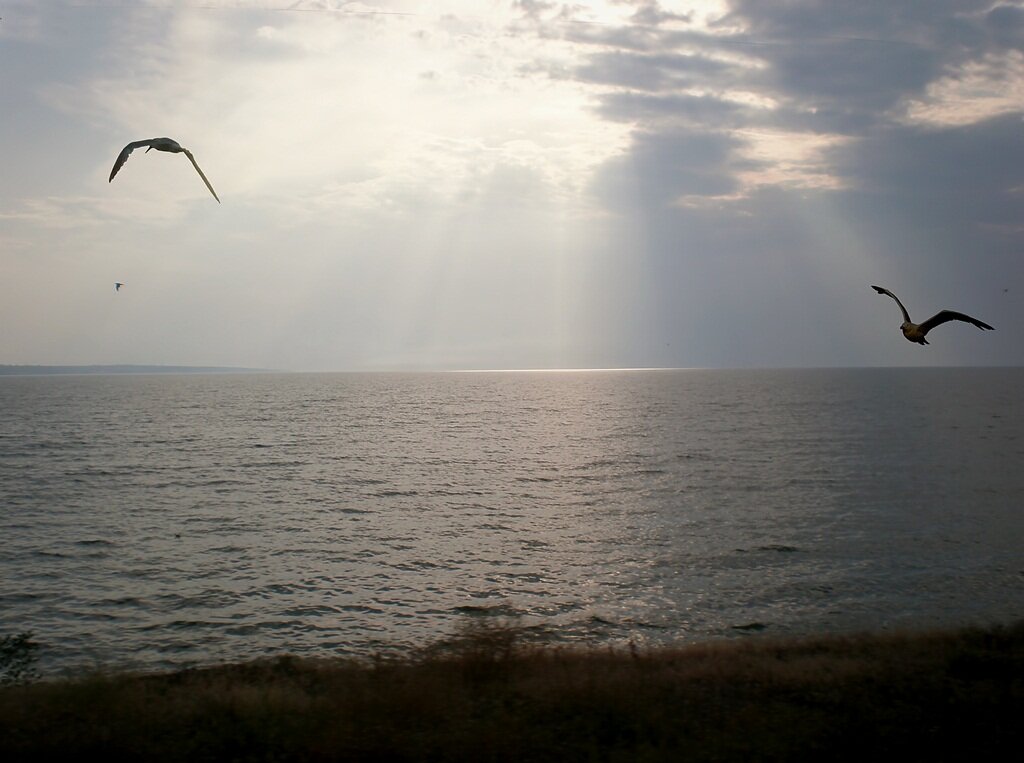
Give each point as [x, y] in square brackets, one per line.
[296, 104]
[522, 183]
[664, 166]
[977, 91]
[371, 216]
[649, 72]
[821, 74]
[783, 153]
[963, 180]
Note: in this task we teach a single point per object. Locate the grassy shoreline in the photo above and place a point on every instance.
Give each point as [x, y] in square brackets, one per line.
[485, 695]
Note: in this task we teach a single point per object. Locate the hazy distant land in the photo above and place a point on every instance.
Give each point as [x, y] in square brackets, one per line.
[12, 370]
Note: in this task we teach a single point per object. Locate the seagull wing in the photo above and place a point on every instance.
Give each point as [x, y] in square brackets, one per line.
[906, 315]
[951, 315]
[193, 160]
[126, 152]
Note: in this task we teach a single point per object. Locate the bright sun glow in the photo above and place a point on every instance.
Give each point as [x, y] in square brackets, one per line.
[389, 105]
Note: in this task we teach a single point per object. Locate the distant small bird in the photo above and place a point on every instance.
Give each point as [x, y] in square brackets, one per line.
[160, 144]
[118, 285]
[915, 332]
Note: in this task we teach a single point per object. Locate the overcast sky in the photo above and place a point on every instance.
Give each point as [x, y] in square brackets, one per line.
[511, 184]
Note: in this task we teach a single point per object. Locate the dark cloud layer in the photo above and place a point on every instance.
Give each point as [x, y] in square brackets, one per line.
[649, 71]
[663, 166]
[717, 263]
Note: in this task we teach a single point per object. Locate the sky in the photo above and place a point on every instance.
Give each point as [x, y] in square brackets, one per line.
[485, 184]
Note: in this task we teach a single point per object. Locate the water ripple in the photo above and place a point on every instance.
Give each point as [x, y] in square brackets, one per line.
[165, 521]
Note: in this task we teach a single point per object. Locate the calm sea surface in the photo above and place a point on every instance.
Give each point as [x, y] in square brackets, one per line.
[162, 521]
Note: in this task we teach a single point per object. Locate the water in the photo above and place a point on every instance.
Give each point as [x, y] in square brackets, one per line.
[154, 522]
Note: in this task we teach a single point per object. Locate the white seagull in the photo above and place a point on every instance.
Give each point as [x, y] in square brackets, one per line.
[915, 332]
[160, 144]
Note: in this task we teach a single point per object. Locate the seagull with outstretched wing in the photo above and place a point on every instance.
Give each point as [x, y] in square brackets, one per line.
[915, 332]
[160, 144]
[118, 285]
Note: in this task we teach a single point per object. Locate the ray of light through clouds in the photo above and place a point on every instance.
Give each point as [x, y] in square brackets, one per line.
[510, 184]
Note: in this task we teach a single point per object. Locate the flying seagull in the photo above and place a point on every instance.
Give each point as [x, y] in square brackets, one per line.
[915, 332]
[160, 144]
[118, 285]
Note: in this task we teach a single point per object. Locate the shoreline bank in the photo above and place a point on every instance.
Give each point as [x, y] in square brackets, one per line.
[486, 695]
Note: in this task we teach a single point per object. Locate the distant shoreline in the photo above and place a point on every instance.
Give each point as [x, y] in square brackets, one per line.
[71, 370]
[29, 370]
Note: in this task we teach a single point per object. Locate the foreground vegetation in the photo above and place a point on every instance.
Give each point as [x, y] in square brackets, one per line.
[487, 696]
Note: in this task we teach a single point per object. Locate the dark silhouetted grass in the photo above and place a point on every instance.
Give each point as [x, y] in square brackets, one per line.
[486, 695]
